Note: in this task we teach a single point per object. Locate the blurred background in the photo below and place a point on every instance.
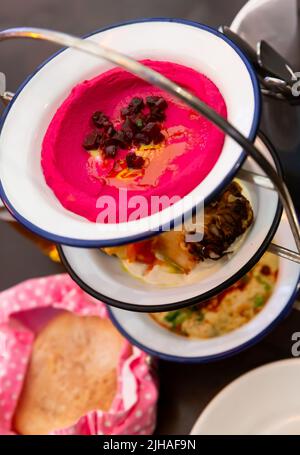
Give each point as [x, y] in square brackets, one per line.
[79, 17]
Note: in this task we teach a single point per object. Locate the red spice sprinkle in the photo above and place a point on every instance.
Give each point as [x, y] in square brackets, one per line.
[265, 270]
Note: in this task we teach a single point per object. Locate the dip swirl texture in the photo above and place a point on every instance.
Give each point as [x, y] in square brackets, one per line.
[191, 147]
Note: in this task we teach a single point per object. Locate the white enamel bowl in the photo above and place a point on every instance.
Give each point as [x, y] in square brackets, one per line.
[25, 121]
[265, 401]
[105, 278]
[142, 331]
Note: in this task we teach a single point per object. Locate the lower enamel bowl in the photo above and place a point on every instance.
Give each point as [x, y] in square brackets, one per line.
[104, 277]
[142, 331]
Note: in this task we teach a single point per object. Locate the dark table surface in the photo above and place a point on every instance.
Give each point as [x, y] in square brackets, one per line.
[185, 389]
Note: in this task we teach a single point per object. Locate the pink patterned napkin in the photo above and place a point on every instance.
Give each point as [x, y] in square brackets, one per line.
[133, 410]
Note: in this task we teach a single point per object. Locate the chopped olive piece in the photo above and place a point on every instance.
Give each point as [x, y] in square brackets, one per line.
[141, 138]
[124, 112]
[119, 139]
[128, 137]
[152, 130]
[92, 140]
[101, 120]
[137, 104]
[138, 128]
[156, 116]
[128, 128]
[134, 107]
[111, 131]
[134, 161]
[129, 123]
[157, 102]
[159, 138]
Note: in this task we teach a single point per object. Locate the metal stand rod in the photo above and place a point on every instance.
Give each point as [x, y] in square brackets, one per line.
[6, 97]
[155, 78]
[284, 253]
[260, 180]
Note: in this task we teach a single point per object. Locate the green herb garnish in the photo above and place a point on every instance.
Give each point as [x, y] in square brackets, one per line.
[172, 315]
[139, 123]
[200, 316]
[175, 318]
[259, 300]
[266, 285]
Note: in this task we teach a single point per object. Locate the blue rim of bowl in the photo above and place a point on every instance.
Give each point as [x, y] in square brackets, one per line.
[196, 299]
[210, 358]
[102, 243]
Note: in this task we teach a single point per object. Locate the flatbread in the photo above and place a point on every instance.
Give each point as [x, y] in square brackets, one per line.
[73, 370]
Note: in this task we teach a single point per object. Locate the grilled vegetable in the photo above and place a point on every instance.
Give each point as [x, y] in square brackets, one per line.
[225, 219]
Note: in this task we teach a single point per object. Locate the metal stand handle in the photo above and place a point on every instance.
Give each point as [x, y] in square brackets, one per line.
[155, 78]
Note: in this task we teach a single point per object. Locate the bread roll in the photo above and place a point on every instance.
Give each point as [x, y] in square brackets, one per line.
[73, 370]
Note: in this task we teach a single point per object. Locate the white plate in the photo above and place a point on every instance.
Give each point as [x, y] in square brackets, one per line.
[142, 331]
[105, 278]
[24, 123]
[265, 401]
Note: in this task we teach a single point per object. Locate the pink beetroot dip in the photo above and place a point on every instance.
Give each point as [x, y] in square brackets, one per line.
[190, 150]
